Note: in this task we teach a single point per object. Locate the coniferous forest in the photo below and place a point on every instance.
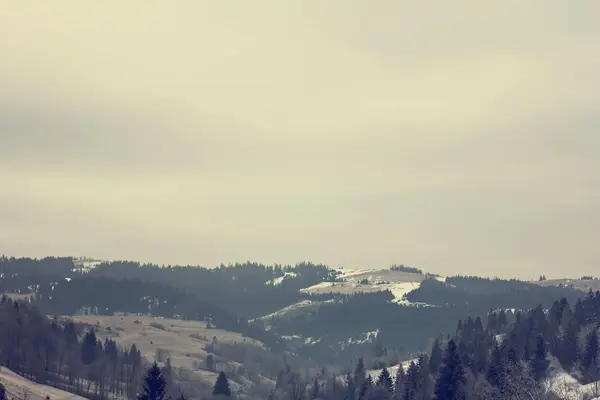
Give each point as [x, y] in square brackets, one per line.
[455, 349]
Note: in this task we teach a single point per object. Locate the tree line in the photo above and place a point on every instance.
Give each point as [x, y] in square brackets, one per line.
[493, 360]
[51, 353]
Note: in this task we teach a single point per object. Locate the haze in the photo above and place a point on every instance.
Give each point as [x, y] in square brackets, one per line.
[458, 137]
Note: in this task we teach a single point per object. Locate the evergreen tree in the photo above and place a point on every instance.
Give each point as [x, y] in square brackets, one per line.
[502, 320]
[411, 385]
[222, 386]
[539, 362]
[569, 345]
[385, 380]
[492, 321]
[89, 347]
[154, 387]
[2, 392]
[425, 390]
[350, 387]
[399, 383]
[280, 382]
[435, 360]
[590, 363]
[451, 381]
[366, 387]
[70, 334]
[360, 371]
[316, 389]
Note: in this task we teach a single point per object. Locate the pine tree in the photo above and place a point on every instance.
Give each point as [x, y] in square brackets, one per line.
[590, 362]
[350, 387]
[2, 392]
[492, 321]
[154, 387]
[399, 383]
[222, 386]
[385, 380]
[540, 363]
[502, 320]
[411, 385]
[435, 360]
[425, 385]
[451, 381]
[366, 387]
[316, 389]
[569, 345]
[360, 371]
[89, 347]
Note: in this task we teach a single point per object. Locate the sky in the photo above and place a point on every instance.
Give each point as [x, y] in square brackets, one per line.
[459, 137]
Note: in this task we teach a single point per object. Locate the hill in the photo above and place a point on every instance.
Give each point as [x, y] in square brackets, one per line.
[321, 314]
[18, 387]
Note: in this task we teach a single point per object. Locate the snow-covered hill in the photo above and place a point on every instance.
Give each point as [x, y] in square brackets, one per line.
[18, 387]
[373, 280]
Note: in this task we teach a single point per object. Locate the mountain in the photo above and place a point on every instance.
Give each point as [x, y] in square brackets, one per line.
[327, 315]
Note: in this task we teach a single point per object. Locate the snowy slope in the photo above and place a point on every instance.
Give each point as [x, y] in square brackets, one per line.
[372, 280]
[19, 388]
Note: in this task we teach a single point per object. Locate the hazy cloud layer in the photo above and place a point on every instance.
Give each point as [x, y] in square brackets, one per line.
[460, 137]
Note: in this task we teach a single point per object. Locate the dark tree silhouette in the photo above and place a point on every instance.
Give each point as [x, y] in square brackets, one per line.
[540, 362]
[451, 381]
[222, 386]
[385, 380]
[154, 387]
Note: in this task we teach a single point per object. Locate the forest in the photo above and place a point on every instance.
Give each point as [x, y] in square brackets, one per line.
[470, 337]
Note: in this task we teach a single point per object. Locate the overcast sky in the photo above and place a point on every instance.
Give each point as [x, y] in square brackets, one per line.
[462, 137]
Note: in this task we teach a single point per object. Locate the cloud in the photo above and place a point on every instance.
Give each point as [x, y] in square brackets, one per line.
[460, 137]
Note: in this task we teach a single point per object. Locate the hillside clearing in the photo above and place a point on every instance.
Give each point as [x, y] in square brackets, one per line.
[181, 340]
[371, 281]
[18, 387]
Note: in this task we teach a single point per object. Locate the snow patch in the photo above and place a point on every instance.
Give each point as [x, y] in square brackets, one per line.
[277, 281]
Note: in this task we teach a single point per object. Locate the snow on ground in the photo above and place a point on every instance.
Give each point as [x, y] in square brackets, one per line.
[279, 279]
[581, 284]
[298, 308]
[370, 281]
[566, 386]
[18, 387]
[86, 264]
[368, 337]
[393, 369]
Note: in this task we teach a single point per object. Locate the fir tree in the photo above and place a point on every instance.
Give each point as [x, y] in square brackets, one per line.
[399, 383]
[360, 371]
[492, 321]
[385, 380]
[154, 387]
[590, 363]
[222, 386]
[502, 320]
[540, 363]
[435, 360]
[316, 389]
[366, 386]
[569, 345]
[411, 385]
[451, 381]
[425, 384]
[350, 387]
[89, 347]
